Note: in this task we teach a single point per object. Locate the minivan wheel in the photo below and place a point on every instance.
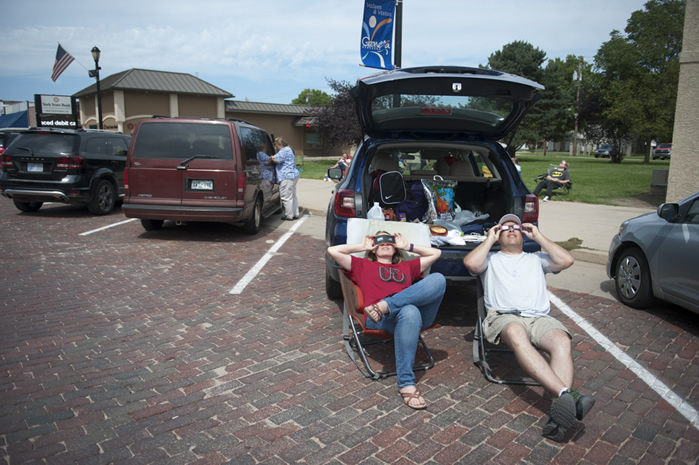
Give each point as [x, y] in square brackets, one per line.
[253, 226]
[104, 198]
[152, 225]
[28, 206]
[632, 279]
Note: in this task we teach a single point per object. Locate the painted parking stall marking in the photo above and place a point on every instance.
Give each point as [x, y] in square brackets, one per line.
[250, 275]
[681, 405]
[106, 227]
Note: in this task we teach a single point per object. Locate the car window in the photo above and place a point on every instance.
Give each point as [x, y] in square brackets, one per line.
[255, 141]
[183, 140]
[46, 143]
[117, 146]
[96, 145]
[693, 213]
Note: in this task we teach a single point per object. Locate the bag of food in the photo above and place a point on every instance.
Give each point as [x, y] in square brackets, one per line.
[441, 194]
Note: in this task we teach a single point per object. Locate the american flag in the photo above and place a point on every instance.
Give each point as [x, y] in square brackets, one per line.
[63, 59]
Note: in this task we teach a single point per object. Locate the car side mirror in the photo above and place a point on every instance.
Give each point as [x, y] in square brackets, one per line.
[669, 212]
[335, 173]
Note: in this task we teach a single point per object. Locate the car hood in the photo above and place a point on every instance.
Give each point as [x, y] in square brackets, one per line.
[456, 100]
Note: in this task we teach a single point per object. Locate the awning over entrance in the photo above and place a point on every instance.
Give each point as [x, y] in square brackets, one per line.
[19, 119]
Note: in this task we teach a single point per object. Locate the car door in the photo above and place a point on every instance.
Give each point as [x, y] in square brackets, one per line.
[677, 257]
[260, 173]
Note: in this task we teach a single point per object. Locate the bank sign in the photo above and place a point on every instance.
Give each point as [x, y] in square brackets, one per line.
[54, 104]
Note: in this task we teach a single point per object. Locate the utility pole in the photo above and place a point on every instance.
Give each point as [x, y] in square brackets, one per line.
[577, 103]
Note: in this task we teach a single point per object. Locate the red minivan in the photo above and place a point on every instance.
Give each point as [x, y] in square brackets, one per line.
[199, 169]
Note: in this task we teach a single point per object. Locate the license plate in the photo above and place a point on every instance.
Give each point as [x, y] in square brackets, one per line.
[200, 185]
[35, 167]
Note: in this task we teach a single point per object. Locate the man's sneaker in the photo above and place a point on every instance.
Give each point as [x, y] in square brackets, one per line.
[546, 199]
[553, 431]
[583, 404]
[563, 410]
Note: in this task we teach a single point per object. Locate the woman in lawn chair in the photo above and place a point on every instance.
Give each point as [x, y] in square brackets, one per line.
[397, 300]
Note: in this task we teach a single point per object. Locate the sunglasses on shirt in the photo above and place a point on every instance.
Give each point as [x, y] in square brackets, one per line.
[516, 227]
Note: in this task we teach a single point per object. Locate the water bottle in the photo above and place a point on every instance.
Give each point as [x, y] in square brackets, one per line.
[375, 213]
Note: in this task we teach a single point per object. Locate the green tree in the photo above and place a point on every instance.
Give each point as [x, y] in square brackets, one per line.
[525, 60]
[639, 73]
[312, 97]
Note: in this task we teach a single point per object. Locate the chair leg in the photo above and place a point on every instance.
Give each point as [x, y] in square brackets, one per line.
[354, 345]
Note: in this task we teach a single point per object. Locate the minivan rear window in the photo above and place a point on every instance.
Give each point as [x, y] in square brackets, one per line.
[183, 140]
[408, 111]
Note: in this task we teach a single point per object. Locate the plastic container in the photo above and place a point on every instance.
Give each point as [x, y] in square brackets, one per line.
[375, 213]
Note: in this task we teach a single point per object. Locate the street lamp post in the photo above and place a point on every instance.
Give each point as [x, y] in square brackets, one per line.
[96, 74]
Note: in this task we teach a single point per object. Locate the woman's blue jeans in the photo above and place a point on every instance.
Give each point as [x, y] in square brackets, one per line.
[410, 311]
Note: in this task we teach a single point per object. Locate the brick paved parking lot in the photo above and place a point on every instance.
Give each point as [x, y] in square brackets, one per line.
[125, 346]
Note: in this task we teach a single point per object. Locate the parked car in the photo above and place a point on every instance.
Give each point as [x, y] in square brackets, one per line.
[656, 255]
[74, 166]
[442, 122]
[200, 169]
[604, 151]
[662, 151]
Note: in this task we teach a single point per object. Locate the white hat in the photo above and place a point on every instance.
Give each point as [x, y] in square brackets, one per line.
[510, 217]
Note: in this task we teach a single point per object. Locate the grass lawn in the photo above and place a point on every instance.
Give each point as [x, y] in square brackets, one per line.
[595, 180]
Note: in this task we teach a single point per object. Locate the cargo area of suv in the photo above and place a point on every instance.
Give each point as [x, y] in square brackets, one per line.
[200, 170]
[434, 133]
[82, 166]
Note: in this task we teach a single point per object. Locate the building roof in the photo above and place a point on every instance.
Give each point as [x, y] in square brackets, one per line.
[146, 80]
[240, 106]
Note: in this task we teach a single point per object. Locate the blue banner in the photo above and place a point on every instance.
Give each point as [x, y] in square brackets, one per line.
[377, 32]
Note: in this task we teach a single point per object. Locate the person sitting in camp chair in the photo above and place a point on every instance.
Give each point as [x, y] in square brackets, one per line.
[555, 179]
[514, 284]
[397, 300]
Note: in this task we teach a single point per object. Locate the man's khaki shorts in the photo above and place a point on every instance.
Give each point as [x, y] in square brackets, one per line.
[536, 327]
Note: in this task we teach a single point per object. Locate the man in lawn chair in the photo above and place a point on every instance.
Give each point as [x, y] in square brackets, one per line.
[556, 178]
[514, 284]
[397, 300]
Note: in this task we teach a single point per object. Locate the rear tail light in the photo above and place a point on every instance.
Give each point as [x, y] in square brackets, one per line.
[72, 162]
[5, 161]
[531, 209]
[344, 203]
[126, 178]
[241, 185]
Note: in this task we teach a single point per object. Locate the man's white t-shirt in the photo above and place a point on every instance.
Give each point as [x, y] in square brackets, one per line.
[517, 282]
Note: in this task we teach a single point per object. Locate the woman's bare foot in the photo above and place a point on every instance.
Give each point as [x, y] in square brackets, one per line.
[412, 397]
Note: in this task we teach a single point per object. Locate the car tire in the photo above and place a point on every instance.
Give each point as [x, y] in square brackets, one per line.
[253, 225]
[103, 198]
[152, 225]
[28, 207]
[333, 289]
[632, 279]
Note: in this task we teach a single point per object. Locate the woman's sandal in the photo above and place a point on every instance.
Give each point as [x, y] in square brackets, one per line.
[373, 313]
[408, 396]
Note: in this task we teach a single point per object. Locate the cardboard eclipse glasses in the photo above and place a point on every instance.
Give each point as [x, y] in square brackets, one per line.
[516, 227]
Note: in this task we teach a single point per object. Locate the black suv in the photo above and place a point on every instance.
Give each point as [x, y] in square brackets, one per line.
[76, 166]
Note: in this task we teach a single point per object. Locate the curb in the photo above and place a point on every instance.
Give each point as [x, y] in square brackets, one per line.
[590, 255]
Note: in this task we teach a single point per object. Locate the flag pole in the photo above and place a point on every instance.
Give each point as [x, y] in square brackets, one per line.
[398, 42]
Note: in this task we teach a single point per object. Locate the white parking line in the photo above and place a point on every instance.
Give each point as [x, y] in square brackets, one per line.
[681, 405]
[250, 275]
[106, 227]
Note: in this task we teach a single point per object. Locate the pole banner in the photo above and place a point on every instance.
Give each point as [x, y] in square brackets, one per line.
[377, 32]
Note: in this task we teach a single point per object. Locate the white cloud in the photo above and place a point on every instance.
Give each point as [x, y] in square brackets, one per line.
[270, 50]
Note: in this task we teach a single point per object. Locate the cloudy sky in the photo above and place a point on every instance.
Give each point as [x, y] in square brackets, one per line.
[270, 50]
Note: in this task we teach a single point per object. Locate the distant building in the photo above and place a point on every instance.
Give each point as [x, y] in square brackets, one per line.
[136, 94]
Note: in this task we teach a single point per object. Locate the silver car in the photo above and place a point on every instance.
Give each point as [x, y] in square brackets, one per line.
[656, 255]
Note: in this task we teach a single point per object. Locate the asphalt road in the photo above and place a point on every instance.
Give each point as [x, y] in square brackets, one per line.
[119, 345]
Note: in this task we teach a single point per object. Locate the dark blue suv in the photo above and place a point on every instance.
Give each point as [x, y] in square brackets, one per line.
[436, 125]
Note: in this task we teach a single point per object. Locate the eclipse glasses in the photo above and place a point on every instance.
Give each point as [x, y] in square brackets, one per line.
[516, 227]
[384, 239]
